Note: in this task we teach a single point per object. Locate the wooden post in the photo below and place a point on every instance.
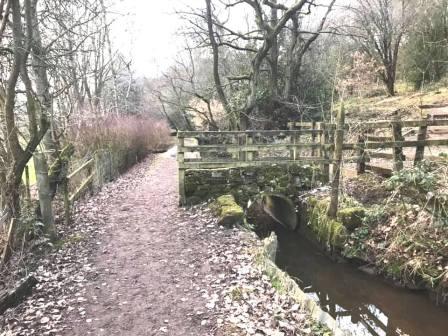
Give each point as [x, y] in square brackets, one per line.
[181, 171]
[249, 141]
[361, 164]
[44, 190]
[27, 183]
[293, 151]
[313, 139]
[241, 143]
[420, 149]
[324, 152]
[397, 136]
[65, 189]
[91, 171]
[338, 147]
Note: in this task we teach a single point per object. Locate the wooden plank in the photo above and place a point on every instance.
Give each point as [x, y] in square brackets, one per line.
[248, 148]
[404, 123]
[224, 164]
[380, 155]
[439, 116]
[431, 106]
[80, 168]
[81, 188]
[194, 134]
[300, 124]
[392, 144]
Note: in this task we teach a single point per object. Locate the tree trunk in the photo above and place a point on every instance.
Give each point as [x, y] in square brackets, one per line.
[390, 85]
[45, 199]
[39, 63]
[216, 76]
[273, 55]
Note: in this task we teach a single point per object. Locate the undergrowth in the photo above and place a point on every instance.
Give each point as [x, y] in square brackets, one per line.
[406, 236]
[126, 133]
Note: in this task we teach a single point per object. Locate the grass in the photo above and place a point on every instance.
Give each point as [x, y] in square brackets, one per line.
[406, 98]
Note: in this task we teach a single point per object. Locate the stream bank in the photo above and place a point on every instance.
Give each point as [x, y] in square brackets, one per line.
[395, 228]
[364, 304]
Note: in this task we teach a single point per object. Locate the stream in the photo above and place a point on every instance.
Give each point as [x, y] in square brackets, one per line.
[362, 304]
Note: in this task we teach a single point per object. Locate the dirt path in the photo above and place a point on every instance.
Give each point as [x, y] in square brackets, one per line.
[134, 263]
[150, 265]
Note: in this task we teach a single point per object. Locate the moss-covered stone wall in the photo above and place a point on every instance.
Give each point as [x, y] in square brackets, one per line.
[244, 183]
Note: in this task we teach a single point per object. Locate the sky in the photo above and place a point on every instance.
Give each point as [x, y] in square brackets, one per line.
[148, 32]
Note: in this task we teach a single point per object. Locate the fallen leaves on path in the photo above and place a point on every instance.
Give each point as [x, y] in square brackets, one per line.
[133, 260]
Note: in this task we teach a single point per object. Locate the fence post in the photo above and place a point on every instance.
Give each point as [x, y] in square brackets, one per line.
[67, 205]
[397, 136]
[338, 147]
[27, 183]
[241, 143]
[181, 171]
[323, 135]
[313, 138]
[361, 164]
[249, 141]
[420, 149]
[293, 150]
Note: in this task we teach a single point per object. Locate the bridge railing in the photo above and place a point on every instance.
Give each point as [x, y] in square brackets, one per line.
[232, 149]
[313, 143]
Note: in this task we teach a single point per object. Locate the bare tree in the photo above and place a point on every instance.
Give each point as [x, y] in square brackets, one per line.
[18, 156]
[379, 28]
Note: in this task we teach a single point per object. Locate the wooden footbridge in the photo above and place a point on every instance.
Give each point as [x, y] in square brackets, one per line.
[321, 144]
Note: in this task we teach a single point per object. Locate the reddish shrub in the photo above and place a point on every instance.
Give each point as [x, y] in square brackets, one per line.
[133, 134]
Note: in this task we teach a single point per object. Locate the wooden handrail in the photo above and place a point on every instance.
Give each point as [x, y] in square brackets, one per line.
[193, 134]
[80, 168]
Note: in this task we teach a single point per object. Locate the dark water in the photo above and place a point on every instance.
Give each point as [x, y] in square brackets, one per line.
[363, 304]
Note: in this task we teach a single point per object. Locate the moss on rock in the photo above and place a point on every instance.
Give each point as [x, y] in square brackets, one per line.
[330, 232]
[351, 217]
[229, 213]
[245, 183]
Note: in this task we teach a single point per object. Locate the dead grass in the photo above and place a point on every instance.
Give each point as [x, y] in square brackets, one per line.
[405, 235]
[128, 133]
[407, 99]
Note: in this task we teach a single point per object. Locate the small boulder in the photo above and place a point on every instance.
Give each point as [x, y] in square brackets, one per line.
[229, 213]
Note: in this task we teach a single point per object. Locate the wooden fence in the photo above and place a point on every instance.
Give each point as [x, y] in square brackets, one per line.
[307, 143]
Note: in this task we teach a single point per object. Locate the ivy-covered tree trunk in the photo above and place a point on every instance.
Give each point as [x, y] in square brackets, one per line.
[49, 145]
